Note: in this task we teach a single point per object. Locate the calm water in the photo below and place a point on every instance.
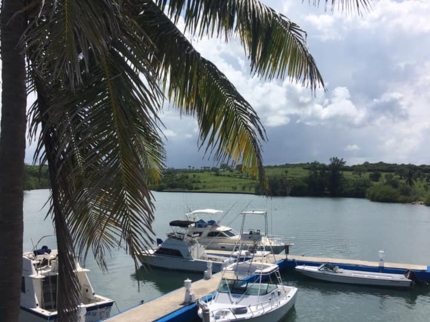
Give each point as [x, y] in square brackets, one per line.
[341, 228]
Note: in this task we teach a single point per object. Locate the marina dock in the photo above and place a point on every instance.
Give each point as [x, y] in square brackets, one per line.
[171, 307]
[160, 309]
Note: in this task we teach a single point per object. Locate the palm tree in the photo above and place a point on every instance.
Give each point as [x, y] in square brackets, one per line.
[12, 151]
[410, 177]
[101, 71]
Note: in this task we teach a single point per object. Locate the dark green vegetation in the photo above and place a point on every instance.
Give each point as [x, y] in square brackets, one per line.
[36, 177]
[383, 182]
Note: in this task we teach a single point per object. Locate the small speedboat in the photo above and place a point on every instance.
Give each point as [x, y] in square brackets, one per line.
[249, 290]
[215, 236]
[332, 273]
[181, 251]
[39, 290]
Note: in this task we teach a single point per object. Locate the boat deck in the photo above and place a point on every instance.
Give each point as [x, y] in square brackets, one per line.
[166, 304]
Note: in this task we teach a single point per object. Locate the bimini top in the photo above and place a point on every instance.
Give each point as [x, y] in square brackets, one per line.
[206, 211]
[181, 223]
[253, 212]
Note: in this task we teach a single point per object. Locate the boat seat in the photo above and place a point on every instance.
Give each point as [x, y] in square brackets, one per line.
[201, 224]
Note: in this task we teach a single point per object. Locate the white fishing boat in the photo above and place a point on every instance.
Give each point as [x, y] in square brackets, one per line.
[39, 290]
[250, 290]
[331, 273]
[181, 251]
[215, 236]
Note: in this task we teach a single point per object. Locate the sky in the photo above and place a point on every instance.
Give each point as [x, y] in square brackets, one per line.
[376, 68]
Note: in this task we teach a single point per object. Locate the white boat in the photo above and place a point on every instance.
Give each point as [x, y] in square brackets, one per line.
[250, 290]
[215, 236]
[181, 251]
[331, 273]
[39, 290]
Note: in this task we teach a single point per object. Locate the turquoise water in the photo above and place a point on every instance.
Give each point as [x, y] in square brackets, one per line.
[340, 228]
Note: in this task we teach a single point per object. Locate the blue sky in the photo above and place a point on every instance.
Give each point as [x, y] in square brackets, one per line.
[376, 108]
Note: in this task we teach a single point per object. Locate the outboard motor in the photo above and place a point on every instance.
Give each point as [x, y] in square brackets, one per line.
[409, 274]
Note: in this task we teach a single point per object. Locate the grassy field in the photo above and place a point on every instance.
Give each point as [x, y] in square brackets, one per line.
[234, 181]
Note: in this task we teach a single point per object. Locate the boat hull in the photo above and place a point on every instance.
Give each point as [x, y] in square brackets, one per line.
[356, 277]
[230, 246]
[180, 264]
[278, 314]
[268, 313]
[95, 313]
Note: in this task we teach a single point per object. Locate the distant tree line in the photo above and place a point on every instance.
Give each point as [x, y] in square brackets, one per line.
[382, 182]
[36, 177]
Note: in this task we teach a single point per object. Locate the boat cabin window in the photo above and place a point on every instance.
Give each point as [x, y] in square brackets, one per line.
[233, 286]
[247, 288]
[221, 234]
[215, 234]
[168, 252]
[229, 233]
[23, 285]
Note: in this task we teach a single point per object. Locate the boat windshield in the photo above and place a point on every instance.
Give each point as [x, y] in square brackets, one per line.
[245, 287]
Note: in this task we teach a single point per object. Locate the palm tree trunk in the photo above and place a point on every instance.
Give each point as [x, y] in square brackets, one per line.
[12, 152]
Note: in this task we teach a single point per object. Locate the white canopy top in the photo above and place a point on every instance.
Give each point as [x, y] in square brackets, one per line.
[207, 211]
[253, 212]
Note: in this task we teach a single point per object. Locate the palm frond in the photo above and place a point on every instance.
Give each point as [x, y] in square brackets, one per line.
[109, 129]
[276, 47]
[70, 31]
[227, 122]
[348, 6]
[68, 283]
[100, 137]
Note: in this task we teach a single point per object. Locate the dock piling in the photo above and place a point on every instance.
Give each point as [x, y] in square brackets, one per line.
[189, 297]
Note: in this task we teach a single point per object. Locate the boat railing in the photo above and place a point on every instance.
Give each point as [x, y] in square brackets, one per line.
[253, 309]
[280, 239]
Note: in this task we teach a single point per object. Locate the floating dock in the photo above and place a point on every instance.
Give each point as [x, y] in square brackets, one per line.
[171, 307]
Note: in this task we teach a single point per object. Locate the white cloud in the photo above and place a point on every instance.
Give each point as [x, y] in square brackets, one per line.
[352, 147]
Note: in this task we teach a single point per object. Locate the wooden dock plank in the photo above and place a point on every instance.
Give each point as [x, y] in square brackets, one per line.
[166, 304]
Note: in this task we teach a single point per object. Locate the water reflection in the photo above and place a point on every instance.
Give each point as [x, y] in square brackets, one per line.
[340, 302]
[164, 280]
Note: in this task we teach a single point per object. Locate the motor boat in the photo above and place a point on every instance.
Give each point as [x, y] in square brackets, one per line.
[331, 273]
[39, 290]
[215, 236]
[182, 251]
[249, 290]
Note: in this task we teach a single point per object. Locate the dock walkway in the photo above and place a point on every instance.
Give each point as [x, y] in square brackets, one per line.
[166, 304]
[350, 262]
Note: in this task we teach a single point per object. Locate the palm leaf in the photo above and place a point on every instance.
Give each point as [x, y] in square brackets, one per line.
[227, 122]
[276, 47]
